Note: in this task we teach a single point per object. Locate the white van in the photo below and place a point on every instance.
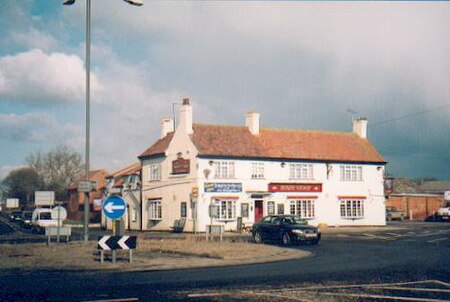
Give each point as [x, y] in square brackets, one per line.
[41, 219]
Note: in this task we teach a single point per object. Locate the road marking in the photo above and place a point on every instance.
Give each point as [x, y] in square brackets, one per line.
[437, 240]
[414, 289]
[382, 297]
[367, 285]
[205, 295]
[114, 300]
[265, 294]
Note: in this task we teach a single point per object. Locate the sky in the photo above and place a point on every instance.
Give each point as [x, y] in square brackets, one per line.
[301, 65]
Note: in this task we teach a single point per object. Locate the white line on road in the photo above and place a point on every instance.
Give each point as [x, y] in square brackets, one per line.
[437, 240]
[381, 297]
[366, 285]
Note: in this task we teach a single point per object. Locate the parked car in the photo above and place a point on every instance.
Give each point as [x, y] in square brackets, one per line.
[286, 229]
[443, 214]
[392, 213]
[26, 219]
[15, 216]
[41, 219]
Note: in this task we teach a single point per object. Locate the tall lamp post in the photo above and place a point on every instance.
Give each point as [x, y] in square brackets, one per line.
[88, 90]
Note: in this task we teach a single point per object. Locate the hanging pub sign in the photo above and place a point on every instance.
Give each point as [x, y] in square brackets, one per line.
[213, 187]
[181, 166]
[292, 187]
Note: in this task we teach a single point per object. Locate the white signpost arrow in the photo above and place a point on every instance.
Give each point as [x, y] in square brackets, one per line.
[110, 207]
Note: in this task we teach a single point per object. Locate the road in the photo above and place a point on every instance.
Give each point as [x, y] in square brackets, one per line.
[418, 253]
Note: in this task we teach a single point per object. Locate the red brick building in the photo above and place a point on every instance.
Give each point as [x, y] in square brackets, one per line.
[75, 206]
[407, 196]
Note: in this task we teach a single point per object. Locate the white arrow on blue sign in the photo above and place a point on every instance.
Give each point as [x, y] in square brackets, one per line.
[114, 207]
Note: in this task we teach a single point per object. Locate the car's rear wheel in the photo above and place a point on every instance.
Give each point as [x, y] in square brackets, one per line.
[257, 237]
[286, 239]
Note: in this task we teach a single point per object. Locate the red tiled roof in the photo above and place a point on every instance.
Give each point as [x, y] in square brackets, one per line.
[231, 141]
[158, 148]
[133, 169]
[119, 182]
[92, 176]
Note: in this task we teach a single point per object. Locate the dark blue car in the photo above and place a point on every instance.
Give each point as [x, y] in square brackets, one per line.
[286, 229]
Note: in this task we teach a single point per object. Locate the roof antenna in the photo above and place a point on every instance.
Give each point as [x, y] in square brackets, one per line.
[352, 113]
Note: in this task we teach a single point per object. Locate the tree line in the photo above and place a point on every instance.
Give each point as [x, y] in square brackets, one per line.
[54, 171]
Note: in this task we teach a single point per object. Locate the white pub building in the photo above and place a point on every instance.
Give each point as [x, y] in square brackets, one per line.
[247, 172]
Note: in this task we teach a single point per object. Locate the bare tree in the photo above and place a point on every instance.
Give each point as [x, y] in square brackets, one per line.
[58, 168]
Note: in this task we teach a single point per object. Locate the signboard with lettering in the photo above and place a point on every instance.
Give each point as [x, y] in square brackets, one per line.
[181, 166]
[294, 187]
[44, 198]
[212, 187]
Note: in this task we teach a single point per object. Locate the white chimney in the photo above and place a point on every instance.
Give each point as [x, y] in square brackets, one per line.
[360, 127]
[166, 126]
[252, 122]
[186, 117]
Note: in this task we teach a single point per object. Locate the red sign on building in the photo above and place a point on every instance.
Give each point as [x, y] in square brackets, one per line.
[181, 166]
[290, 187]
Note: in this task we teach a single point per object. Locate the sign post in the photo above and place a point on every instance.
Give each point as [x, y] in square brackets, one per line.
[58, 213]
[114, 208]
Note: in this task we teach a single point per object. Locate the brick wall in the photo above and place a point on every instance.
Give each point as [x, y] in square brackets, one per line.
[421, 207]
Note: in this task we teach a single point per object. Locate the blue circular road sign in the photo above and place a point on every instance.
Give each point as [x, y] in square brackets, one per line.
[114, 207]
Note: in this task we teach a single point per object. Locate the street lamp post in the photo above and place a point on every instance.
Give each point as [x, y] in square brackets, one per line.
[88, 91]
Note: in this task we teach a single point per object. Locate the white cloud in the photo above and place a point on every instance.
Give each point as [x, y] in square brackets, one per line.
[35, 39]
[35, 77]
[37, 127]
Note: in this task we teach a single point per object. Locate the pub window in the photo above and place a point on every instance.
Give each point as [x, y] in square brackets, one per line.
[155, 172]
[351, 173]
[223, 169]
[257, 170]
[227, 209]
[134, 213]
[301, 171]
[353, 208]
[154, 210]
[271, 208]
[244, 210]
[304, 208]
[280, 209]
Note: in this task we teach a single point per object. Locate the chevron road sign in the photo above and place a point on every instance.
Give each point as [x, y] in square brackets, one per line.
[109, 243]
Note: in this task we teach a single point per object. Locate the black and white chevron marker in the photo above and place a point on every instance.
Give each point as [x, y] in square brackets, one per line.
[116, 242]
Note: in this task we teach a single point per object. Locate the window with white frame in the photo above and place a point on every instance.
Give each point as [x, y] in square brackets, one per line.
[305, 208]
[227, 209]
[154, 210]
[271, 207]
[257, 170]
[134, 213]
[352, 208]
[223, 169]
[301, 171]
[155, 172]
[351, 173]
[244, 210]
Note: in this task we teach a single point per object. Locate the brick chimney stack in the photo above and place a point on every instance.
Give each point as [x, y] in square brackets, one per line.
[166, 126]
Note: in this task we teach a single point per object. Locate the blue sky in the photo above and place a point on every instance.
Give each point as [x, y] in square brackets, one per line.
[300, 64]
